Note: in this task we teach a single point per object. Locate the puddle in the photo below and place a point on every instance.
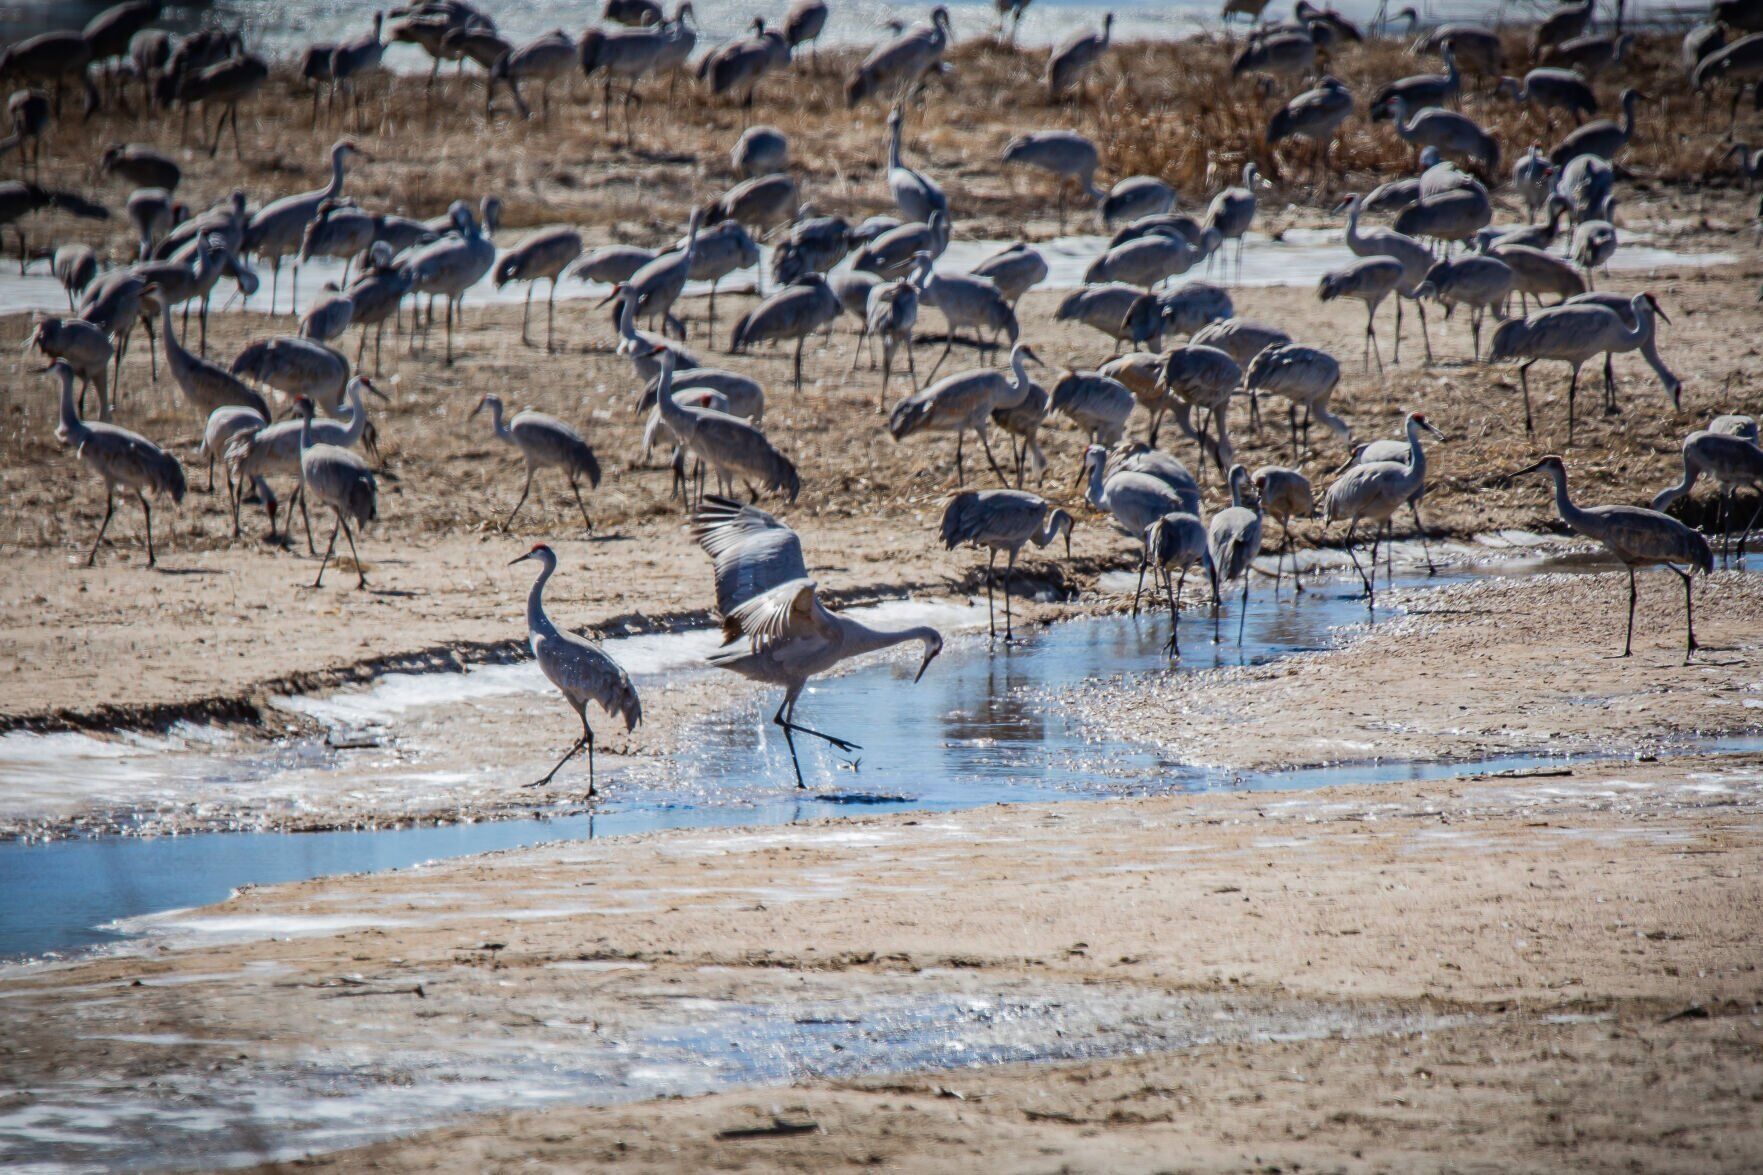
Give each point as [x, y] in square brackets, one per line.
[638, 1041]
[1299, 258]
[979, 729]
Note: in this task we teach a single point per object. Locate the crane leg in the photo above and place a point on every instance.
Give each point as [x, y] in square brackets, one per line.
[1396, 354]
[1144, 561]
[1420, 529]
[526, 309]
[1297, 576]
[1689, 617]
[788, 722]
[960, 473]
[986, 444]
[991, 613]
[328, 551]
[1009, 630]
[1243, 613]
[911, 366]
[575, 748]
[1424, 336]
[1524, 382]
[938, 365]
[576, 489]
[1354, 556]
[1610, 408]
[1174, 611]
[109, 509]
[524, 491]
[551, 316]
[1628, 638]
[801, 342]
[881, 402]
[1572, 394]
[360, 572]
[305, 517]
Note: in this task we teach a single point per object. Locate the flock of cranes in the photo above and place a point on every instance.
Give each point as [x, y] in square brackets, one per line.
[880, 276]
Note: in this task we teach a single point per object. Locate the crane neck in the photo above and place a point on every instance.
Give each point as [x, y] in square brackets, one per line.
[1691, 471]
[537, 622]
[1018, 373]
[671, 410]
[496, 425]
[1416, 453]
[627, 316]
[1572, 515]
[73, 430]
[1093, 492]
[894, 145]
[1057, 520]
[335, 187]
[357, 426]
[861, 638]
[174, 350]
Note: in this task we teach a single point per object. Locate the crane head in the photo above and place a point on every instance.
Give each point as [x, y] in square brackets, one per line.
[303, 406]
[539, 551]
[489, 400]
[1550, 465]
[1654, 303]
[1420, 419]
[933, 645]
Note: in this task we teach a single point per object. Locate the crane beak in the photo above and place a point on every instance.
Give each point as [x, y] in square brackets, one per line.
[474, 412]
[368, 384]
[1429, 427]
[522, 559]
[1517, 473]
[925, 664]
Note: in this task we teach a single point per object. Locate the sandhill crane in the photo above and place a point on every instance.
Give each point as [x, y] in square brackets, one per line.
[1168, 224]
[1372, 491]
[205, 385]
[1701, 41]
[1415, 257]
[107, 35]
[1096, 404]
[1190, 307]
[1482, 284]
[1250, 10]
[1536, 272]
[1138, 457]
[1418, 91]
[1240, 338]
[1316, 114]
[141, 165]
[1534, 177]
[27, 111]
[275, 230]
[1739, 64]
[452, 265]
[75, 267]
[544, 254]
[734, 448]
[1303, 375]
[1286, 55]
[274, 451]
[1393, 450]
[357, 58]
[1176, 541]
[1448, 132]
[632, 13]
[962, 402]
[629, 53]
[1735, 425]
[545, 443]
[916, 194]
[152, 212]
[1285, 494]
[317, 65]
[52, 58]
[776, 630]
[894, 66]
[375, 297]
[224, 84]
[1232, 211]
[19, 199]
[296, 366]
[1549, 90]
[761, 150]
[579, 668]
[658, 285]
[641, 348]
[1233, 539]
[1637, 538]
[894, 254]
[121, 458]
[1370, 280]
[1149, 260]
[113, 304]
[611, 264]
[967, 300]
[740, 64]
[1456, 215]
[1069, 156]
[1574, 334]
[1022, 423]
[1624, 309]
[815, 244]
[223, 425]
[1203, 377]
[1134, 500]
[85, 348]
[337, 478]
[1733, 462]
[1072, 60]
[338, 229]
[1114, 309]
[1603, 138]
[724, 249]
[890, 316]
[1134, 197]
[1565, 23]
[1003, 520]
[547, 58]
[794, 312]
[1014, 270]
[804, 23]
[1594, 243]
[760, 204]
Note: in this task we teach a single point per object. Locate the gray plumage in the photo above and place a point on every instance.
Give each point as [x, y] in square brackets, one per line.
[1552, 89]
[1732, 460]
[1134, 500]
[1418, 91]
[1369, 280]
[1096, 404]
[1587, 182]
[548, 58]
[1574, 334]
[815, 245]
[914, 193]
[794, 312]
[1456, 215]
[1371, 491]
[276, 230]
[122, 459]
[152, 212]
[719, 251]
[890, 316]
[775, 628]
[611, 264]
[1233, 539]
[579, 668]
[329, 315]
[1174, 543]
[970, 302]
[895, 252]
[894, 65]
[337, 478]
[1072, 61]
[1284, 55]
[1636, 537]
[544, 443]
[1134, 197]
[1534, 177]
[1240, 338]
[736, 449]
[1285, 494]
[1563, 24]
[1002, 521]
[1232, 211]
[298, 367]
[1449, 132]
[1149, 260]
[964, 402]
[206, 386]
[1303, 375]
[760, 204]
[1482, 284]
[338, 229]
[1603, 138]
[1069, 156]
[86, 350]
[75, 267]
[1536, 272]
[1109, 309]
[542, 255]
[450, 266]
[761, 150]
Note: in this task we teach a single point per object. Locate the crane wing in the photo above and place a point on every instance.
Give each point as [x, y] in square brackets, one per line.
[753, 551]
[788, 610]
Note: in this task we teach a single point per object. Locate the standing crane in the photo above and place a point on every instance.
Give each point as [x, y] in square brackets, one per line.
[1175, 541]
[1732, 461]
[1415, 257]
[916, 194]
[733, 447]
[339, 479]
[450, 266]
[794, 312]
[123, 459]
[894, 66]
[274, 450]
[890, 317]
[1370, 280]
[964, 402]
[1003, 520]
[1483, 284]
[545, 254]
[1285, 494]
[775, 629]
[1573, 334]
[1303, 375]
[85, 348]
[1374, 490]
[1638, 538]
[1232, 211]
[1233, 539]
[578, 667]
[1095, 403]
[544, 442]
[276, 230]
[1072, 61]
[1068, 156]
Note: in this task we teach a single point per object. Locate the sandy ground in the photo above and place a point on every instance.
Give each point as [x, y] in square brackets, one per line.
[1538, 972]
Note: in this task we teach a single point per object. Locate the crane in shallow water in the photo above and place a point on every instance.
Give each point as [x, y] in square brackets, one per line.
[578, 667]
[775, 629]
[1003, 520]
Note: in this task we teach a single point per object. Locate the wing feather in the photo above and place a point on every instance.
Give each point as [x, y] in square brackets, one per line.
[754, 553]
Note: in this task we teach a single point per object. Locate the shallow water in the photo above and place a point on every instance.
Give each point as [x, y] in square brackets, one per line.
[1298, 258]
[982, 727]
